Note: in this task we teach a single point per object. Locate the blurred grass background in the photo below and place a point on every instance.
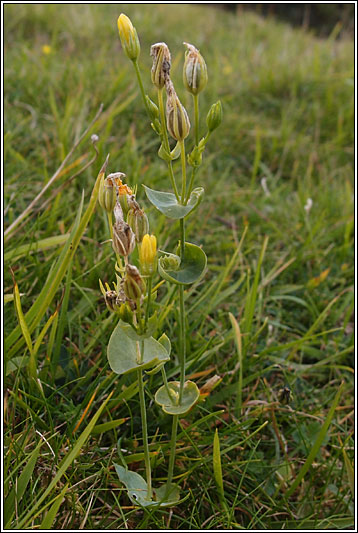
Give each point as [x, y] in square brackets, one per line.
[287, 137]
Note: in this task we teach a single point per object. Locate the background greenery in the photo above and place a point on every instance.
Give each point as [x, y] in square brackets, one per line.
[288, 120]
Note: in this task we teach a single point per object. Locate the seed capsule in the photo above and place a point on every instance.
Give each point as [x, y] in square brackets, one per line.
[178, 123]
[138, 221]
[123, 238]
[134, 285]
[161, 64]
[195, 75]
[107, 196]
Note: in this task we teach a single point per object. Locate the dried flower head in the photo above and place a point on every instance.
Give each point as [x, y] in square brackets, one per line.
[123, 238]
[161, 64]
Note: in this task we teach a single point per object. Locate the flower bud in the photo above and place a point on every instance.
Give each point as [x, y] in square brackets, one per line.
[128, 36]
[170, 262]
[138, 221]
[152, 109]
[148, 255]
[134, 285]
[161, 64]
[123, 238]
[195, 75]
[214, 116]
[178, 123]
[107, 196]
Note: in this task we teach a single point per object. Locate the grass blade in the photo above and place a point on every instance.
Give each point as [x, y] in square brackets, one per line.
[238, 341]
[217, 465]
[18, 490]
[65, 463]
[52, 512]
[317, 444]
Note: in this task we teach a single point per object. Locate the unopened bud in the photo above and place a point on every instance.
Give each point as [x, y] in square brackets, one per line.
[138, 221]
[123, 238]
[152, 109]
[148, 255]
[195, 75]
[214, 116]
[170, 262]
[128, 36]
[178, 123]
[134, 285]
[107, 196]
[161, 64]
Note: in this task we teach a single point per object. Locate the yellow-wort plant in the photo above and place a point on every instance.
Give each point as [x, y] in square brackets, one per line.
[132, 346]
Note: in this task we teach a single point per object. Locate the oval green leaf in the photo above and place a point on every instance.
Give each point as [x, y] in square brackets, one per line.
[190, 397]
[191, 268]
[122, 352]
[167, 203]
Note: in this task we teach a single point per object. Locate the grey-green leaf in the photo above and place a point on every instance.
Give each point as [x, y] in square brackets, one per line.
[122, 352]
[167, 203]
[137, 490]
[190, 269]
[190, 397]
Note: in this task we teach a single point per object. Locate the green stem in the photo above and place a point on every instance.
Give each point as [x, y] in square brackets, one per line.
[182, 342]
[196, 118]
[145, 434]
[149, 295]
[166, 141]
[167, 388]
[183, 171]
[139, 78]
[110, 223]
[191, 183]
[172, 453]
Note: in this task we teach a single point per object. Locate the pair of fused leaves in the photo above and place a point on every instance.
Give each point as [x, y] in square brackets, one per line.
[170, 266]
[169, 400]
[137, 490]
[127, 351]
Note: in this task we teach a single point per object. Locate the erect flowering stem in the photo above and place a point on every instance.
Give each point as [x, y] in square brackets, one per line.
[183, 171]
[140, 83]
[181, 288]
[149, 295]
[172, 453]
[166, 140]
[196, 118]
[145, 433]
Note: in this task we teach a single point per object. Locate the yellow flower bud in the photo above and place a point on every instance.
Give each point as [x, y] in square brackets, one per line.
[128, 36]
[195, 75]
[178, 123]
[161, 64]
[148, 255]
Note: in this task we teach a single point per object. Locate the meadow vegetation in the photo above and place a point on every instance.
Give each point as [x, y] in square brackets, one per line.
[274, 310]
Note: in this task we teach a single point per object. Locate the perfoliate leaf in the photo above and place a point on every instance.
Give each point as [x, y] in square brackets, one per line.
[190, 269]
[167, 203]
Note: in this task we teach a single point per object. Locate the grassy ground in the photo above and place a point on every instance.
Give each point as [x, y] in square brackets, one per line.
[287, 137]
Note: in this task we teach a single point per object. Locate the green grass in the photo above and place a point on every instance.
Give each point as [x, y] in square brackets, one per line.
[288, 118]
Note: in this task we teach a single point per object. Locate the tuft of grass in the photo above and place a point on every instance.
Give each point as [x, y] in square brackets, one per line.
[282, 269]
